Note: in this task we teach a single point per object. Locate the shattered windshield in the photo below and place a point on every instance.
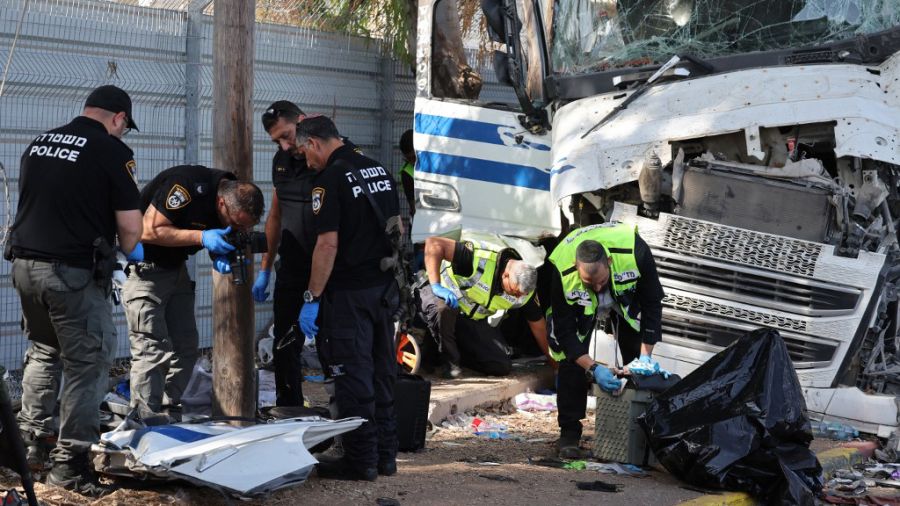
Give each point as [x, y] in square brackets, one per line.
[594, 35]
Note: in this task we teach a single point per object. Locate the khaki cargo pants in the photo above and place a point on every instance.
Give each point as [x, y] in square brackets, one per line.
[159, 306]
[68, 322]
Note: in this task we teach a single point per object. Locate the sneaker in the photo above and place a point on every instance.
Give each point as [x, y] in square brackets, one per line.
[387, 468]
[451, 371]
[77, 478]
[342, 470]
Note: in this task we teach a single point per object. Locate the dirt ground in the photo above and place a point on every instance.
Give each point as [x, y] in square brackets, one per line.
[456, 467]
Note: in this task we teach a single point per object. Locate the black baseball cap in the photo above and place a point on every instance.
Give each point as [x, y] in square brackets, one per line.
[112, 99]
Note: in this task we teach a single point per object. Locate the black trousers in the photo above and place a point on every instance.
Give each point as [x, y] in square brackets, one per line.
[288, 299]
[463, 341]
[357, 338]
[571, 397]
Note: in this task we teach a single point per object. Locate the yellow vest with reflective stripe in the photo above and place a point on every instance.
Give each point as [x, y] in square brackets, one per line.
[406, 168]
[618, 242]
[474, 291]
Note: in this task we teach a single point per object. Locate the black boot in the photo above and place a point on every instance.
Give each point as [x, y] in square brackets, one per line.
[341, 469]
[76, 475]
[567, 447]
[37, 451]
[387, 467]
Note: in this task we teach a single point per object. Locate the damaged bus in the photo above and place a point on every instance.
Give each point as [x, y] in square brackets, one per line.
[753, 143]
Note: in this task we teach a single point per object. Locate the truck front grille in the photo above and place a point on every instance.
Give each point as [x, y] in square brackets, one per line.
[713, 334]
[741, 246]
[783, 293]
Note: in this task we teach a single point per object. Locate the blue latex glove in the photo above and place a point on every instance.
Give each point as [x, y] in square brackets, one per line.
[222, 265]
[308, 315]
[604, 378]
[214, 241]
[137, 254]
[644, 366]
[260, 285]
[442, 292]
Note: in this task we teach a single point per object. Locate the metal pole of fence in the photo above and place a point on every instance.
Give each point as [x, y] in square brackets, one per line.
[234, 381]
[192, 81]
[387, 109]
[193, 53]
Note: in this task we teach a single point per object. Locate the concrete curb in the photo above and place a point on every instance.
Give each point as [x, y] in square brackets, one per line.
[456, 396]
[831, 460]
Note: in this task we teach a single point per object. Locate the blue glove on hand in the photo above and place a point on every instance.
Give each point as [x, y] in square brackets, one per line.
[214, 241]
[260, 285]
[222, 265]
[441, 292]
[643, 366]
[605, 379]
[308, 315]
[137, 254]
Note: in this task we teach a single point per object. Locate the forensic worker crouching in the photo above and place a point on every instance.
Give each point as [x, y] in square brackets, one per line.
[471, 280]
[77, 193]
[352, 199]
[186, 208]
[599, 270]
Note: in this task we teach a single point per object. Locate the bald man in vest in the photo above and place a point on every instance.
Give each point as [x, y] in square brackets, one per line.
[600, 271]
[471, 280]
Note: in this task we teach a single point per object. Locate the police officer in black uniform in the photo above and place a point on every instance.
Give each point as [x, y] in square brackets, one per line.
[76, 190]
[357, 297]
[291, 231]
[186, 208]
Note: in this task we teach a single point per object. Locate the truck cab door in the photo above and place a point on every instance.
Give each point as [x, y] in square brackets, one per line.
[483, 149]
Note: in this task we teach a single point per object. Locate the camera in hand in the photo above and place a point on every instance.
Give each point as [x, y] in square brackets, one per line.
[256, 241]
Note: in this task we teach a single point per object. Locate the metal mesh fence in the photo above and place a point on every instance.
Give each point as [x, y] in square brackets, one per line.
[65, 48]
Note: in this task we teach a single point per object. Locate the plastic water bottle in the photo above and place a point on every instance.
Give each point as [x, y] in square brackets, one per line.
[490, 430]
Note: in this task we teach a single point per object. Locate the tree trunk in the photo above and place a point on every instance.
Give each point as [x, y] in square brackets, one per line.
[451, 75]
[234, 375]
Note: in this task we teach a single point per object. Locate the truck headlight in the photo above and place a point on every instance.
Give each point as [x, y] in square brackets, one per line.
[438, 196]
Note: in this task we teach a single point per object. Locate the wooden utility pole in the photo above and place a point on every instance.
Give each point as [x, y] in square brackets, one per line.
[234, 375]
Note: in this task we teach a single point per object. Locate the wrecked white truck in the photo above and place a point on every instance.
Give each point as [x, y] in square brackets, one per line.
[754, 143]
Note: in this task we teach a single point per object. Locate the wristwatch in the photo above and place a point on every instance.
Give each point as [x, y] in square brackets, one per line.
[589, 372]
[309, 297]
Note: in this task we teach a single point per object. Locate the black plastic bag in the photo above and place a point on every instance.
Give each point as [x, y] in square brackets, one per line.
[739, 422]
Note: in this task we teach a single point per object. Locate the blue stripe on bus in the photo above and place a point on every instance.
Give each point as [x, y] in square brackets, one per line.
[469, 130]
[483, 170]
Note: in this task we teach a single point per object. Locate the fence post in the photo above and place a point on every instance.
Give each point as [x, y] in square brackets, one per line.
[193, 46]
[193, 52]
[387, 110]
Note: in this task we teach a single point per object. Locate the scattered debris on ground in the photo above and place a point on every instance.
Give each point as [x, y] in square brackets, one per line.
[456, 467]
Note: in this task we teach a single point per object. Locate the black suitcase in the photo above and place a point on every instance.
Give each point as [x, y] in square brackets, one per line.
[412, 394]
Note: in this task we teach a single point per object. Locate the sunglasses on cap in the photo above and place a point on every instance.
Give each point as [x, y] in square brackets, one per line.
[273, 112]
